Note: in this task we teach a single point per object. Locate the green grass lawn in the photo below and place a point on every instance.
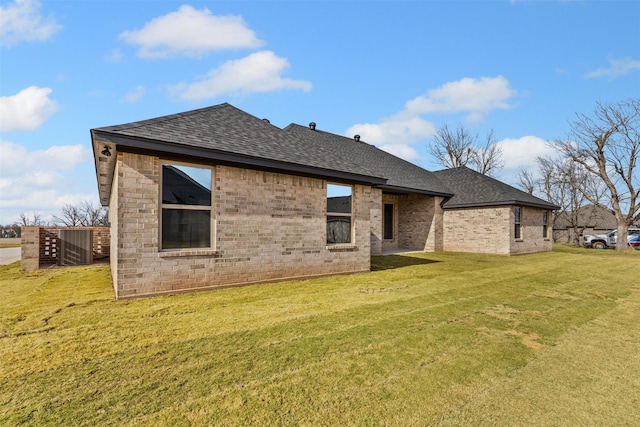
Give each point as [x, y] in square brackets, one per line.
[425, 339]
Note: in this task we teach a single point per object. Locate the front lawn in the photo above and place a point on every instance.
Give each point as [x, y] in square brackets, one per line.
[424, 339]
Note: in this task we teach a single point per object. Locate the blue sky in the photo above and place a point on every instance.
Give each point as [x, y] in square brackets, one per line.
[391, 71]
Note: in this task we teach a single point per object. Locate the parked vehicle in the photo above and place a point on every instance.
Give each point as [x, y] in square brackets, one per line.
[634, 241]
[607, 240]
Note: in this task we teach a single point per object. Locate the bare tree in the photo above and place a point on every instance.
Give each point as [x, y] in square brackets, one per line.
[487, 157]
[526, 181]
[607, 145]
[455, 148]
[557, 180]
[71, 216]
[95, 215]
[27, 220]
[84, 214]
[452, 149]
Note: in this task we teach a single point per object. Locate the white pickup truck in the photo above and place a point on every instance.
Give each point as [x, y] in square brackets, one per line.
[607, 240]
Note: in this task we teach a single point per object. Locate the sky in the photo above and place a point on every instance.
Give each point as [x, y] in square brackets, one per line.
[391, 71]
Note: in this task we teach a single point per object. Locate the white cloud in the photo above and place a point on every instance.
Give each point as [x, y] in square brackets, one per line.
[17, 160]
[135, 95]
[22, 21]
[26, 110]
[521, 153]
[394, 134]
[398, 129]
[401, 150]
[38, 181]
[474, 97]
[190, 32]
[618, 67]
[258, 72]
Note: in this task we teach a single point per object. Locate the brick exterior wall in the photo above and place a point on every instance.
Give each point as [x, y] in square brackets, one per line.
[531, 232]
[435, 239]
[267, 226]
[417, 223]
[490, 230]
[30, 248]
[114, 212]
[416, 217]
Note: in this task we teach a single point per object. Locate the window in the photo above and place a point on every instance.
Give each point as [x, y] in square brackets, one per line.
[186, 207]
[516, 221]
[387, 218]
[339, 213]
[545, 229]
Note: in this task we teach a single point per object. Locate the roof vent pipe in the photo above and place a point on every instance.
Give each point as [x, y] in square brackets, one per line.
[312, 125]
[266, 120]
[357, 138]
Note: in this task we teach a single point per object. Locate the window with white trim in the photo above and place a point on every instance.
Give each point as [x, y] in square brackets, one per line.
[339, 214]
[186, 214]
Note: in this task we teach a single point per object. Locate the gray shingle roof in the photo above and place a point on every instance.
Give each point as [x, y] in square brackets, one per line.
[225, 129]
[402, 176]
[472, 189]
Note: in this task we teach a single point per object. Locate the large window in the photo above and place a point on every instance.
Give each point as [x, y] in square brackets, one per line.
[339, 213]
[186, 207]
[517, 232]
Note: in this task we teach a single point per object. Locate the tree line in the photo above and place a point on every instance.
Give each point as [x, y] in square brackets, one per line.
[84, 214]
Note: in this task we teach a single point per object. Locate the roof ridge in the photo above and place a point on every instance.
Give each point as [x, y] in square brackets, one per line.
[166, 118]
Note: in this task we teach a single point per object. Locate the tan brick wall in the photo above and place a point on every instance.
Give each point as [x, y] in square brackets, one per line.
[375, 215]
[268, 226]
[478, 230]
[416, 215]
[491, 231]
[416, 222]
[30, 248]
[435, 240]
[531, 233]
[114, 212]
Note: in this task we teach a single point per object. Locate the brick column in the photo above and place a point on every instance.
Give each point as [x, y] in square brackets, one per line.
[30, 242]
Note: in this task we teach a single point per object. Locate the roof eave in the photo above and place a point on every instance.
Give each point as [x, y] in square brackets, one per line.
[104, 156]
[503, 203]
[167, 149]
[407, 190]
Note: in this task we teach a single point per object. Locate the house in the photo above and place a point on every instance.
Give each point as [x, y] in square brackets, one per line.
[488, 216]
[571, 226]
[216, 197]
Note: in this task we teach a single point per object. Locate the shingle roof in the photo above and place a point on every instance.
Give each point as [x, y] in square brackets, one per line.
[226, 129]
[402, 176]
[473, 189]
